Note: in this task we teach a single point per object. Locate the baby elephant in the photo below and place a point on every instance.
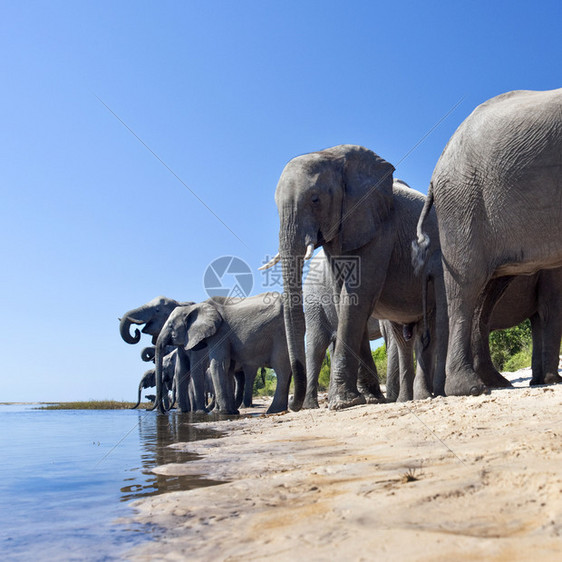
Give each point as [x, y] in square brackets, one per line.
[239, 335]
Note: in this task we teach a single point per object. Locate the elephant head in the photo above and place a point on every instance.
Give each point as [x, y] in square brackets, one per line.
[148, 380]
[187, 327]
[152, 314]
[334, 198]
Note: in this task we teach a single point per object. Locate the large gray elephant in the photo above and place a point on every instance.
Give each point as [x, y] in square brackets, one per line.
[238, 335]
[343, 199]
[497, 191]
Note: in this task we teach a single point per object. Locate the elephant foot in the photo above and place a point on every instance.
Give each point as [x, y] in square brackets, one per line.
[373, 398]
[341, 399]
[494, 379]
[404, 398]
[371, 391]
[424, 395]
[465, 383]
[549, 378]
[310, 404]
[421, 392]
[273, 409]
[227, 412]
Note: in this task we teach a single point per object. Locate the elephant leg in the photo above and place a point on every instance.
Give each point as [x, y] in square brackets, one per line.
[426, 356]
[249, 388]
[367, 376]
[241, 388]
[537, 377]
[392, 362]
[343, 392]
[282, 368]
[354, 308]
[182, 378]
[483, 365]
[219, 364]
[316, 344]
[198, 365]
[406, 371]
[166, 397]
[549, 326]
[462, 300]
[546, 345]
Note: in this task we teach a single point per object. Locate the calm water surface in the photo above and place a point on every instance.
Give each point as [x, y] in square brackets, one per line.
[66, 476]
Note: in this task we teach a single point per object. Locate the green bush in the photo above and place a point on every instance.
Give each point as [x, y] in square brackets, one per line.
[518, 361]
[265, 382]
[379, 357]
[324, 376]
[505, 344]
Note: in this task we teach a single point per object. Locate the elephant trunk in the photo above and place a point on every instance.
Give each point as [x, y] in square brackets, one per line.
[148, 354]
[141, 386]
[159, 402]
[124, 329]
[292, 266]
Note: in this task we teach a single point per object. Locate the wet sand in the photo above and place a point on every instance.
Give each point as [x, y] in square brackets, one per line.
[456, 478]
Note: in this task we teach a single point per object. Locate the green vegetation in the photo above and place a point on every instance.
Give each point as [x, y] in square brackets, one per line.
[265, 382]
[511, 349]
[324, 376]
[379, 357]
[93, 405]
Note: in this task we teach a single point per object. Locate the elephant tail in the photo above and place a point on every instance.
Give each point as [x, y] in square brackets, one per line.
[421, 244]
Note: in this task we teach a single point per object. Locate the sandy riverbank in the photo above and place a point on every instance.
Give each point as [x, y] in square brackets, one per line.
[457, 478]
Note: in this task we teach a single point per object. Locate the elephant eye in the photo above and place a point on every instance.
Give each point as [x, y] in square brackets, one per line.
[315, 198]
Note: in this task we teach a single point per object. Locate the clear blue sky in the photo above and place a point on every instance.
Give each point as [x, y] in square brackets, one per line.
[225, 93]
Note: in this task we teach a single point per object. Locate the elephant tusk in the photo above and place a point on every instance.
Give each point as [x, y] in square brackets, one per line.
[270, 263]
[309, 251]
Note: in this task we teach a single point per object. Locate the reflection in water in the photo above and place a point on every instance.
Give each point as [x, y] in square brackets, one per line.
[156, 433]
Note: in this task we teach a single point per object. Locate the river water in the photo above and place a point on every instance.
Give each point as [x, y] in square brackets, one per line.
[67, 475]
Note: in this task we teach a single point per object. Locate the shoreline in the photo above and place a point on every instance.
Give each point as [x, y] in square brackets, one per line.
[437, 479]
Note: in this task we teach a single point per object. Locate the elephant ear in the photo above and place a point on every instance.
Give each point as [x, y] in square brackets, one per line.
[367, 200]
[202, 322]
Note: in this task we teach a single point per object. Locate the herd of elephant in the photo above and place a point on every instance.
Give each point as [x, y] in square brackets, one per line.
[433, 275]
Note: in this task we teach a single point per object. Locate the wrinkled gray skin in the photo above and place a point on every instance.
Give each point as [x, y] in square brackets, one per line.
[497, 191]
[343, 199]
[238, 335]
[153, 315]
